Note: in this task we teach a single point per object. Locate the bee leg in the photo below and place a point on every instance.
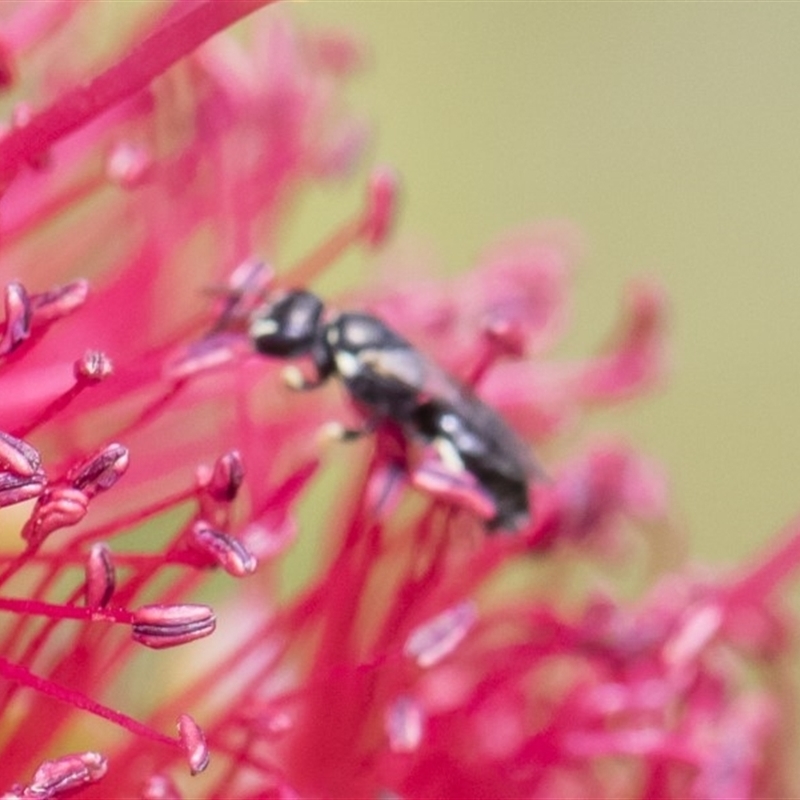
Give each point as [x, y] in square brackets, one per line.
[457, 487]
[335, 431]
[294, 378]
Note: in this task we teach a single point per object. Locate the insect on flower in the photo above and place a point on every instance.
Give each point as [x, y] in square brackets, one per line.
[389, 380]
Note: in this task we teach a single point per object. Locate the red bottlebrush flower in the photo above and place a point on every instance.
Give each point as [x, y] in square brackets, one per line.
[148, 455]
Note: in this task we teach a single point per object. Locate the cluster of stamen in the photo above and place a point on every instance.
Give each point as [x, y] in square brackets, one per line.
[379, 643]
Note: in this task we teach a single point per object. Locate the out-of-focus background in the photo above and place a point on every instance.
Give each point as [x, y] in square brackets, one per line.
[669, 133]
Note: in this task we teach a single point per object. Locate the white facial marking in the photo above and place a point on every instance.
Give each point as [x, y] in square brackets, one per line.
[333, 336]
[263, 327]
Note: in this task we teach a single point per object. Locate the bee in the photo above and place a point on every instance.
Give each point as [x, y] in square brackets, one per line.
[391, 381]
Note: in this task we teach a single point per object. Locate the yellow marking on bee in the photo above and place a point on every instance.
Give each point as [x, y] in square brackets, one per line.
[292, 377]
[347, 364]
[449, 455]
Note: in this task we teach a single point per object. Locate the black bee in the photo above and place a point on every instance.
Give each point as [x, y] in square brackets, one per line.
[392, 381]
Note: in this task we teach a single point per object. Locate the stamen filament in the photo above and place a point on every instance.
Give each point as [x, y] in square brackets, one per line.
[74, 109]
[21, 675]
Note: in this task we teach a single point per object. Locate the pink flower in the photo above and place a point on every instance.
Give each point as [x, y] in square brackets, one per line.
[161, 636]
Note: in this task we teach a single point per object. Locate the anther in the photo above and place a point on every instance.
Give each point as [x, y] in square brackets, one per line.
[381, 210]
[100, 576]
[500, 337]
[18, 457]
[430, 642]
[93, 367]
[160, 787]
[8, 70]
[161, 626]
[404, 723]
[245, 290]
[699, 627]
[506, 335]
[59, 301]
[194, 743]
[18, 318]
[224, 549]
[18, 488]
[100, 471]
[203, 355]
[128, 165]
[56, 508]
[338, 53]
[251, 278]
[223, 481]
[66, 774]
[25, 311]
[21, 116]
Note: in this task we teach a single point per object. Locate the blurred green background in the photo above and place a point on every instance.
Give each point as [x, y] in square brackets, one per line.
[668, 133]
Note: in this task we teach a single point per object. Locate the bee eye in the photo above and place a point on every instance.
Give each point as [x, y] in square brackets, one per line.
[289, 326]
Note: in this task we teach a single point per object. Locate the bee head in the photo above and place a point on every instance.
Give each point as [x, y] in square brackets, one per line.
[289, 326]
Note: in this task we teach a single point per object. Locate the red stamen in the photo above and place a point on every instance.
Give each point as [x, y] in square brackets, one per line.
[372, 225]
[176, 38]
[18, 674]
[89, 370]
[771, 570]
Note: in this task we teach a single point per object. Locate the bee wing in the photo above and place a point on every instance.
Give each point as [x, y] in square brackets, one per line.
[409, 372]
[402, 367]
[503, 449]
